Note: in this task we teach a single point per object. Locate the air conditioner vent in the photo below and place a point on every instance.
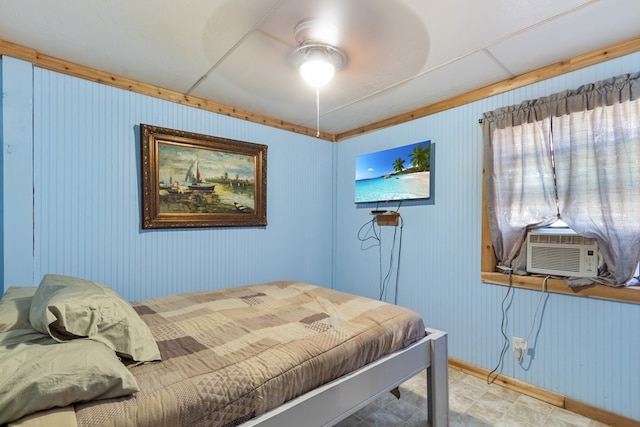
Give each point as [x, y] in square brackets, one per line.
[550, 258]
[561, 239]
[561, 252]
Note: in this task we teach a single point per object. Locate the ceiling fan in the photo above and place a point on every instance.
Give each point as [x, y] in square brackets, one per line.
[316, 55]
[370, 45]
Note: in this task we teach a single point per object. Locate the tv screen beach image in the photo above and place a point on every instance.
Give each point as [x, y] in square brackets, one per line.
[402, 173]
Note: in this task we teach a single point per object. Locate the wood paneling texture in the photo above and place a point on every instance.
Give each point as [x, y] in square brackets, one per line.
[579, 347]
[87, 197]
[86, 222]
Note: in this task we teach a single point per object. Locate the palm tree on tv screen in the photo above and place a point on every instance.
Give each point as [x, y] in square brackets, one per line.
[398, 165]
[420, 158]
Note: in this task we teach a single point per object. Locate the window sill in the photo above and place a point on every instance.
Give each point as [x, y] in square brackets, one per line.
[558, 286]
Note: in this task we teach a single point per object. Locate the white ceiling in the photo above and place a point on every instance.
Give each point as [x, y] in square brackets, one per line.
[402, 54]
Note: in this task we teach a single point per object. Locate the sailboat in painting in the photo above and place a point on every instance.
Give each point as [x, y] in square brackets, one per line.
[193, 176]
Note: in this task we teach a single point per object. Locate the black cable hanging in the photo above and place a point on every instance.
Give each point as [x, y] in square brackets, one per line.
[505, 344]
[384, 278]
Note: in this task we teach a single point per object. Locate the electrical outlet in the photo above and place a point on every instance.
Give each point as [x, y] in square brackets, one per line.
[519, 348]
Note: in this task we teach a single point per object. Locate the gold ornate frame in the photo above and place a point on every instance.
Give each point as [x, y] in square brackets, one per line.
[191, 180]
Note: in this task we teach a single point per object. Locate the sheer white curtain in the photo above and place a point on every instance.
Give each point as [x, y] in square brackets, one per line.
[519, 181]
[597, 146]
[594, 135]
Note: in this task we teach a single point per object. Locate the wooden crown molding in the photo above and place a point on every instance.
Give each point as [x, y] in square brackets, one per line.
[87, 73]
[614, 51]
[50, 63]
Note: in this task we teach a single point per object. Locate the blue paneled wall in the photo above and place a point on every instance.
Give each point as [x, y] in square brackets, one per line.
[580, 347]
[71, 205]
[85, 206]
[17, 171]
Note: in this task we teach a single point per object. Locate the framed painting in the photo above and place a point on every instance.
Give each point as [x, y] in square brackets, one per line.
[193, 180]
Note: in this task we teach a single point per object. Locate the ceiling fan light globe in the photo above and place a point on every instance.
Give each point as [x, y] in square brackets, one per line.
[317, 72]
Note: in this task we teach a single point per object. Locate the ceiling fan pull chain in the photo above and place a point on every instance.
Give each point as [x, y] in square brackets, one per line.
[317, 112]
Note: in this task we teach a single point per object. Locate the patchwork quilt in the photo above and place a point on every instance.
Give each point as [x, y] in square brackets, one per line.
[232, 354]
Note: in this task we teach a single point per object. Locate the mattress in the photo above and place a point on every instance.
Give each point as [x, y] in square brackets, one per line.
[232, 354]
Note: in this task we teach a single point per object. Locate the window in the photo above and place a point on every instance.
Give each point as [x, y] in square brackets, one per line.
[573, 156]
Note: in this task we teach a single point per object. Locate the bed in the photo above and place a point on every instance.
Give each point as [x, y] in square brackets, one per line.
[273, 354]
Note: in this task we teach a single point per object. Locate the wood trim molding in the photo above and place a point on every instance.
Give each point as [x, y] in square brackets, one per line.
[87, 73]
[558, 286]
[610, 52]
[488, 274]
[575, 406]
[552, 398]
[488, 259]
[50, 63]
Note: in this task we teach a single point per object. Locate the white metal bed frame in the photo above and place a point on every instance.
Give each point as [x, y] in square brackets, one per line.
[336, 400]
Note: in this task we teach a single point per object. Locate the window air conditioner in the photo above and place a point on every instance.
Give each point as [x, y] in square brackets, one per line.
[561, 252]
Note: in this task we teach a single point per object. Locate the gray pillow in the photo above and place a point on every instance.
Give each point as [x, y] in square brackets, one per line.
[14, 308]
[67, 308]
[42, 373]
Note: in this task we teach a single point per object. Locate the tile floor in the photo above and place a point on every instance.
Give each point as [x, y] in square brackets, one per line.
[472, 402]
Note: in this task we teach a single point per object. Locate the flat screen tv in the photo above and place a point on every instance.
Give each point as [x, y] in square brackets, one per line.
[402, 173]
